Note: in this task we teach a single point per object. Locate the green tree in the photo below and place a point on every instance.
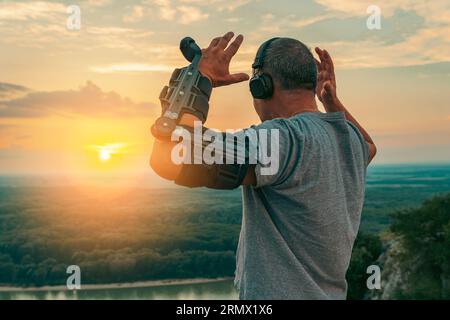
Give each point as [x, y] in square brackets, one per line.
[425, 236]
[366, 251]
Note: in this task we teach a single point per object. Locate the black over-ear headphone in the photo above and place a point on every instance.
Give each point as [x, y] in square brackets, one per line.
[261, 84]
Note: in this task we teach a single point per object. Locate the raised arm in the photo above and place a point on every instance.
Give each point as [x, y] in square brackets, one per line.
[214, 64]
[326, 92]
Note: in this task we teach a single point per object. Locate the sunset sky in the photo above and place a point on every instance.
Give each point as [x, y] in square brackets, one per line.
[83, 100]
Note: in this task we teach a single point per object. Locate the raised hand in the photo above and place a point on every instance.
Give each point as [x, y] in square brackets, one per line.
[215, 62]
[326, 80]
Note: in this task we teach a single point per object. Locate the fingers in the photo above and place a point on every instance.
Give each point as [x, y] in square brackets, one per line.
[222, 43]
[220, 52]
[326, 63]
[214, 42]
[322, 75]
[326, 91]
[319, 65]
[225, 40]
[237, 77]
[329, 61]
[234, 46]
[322, 64]
[318, 51]
[328, 87]
[321, 54]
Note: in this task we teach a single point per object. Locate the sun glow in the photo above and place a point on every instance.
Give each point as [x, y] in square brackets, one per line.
[104, 155]
[106, 152]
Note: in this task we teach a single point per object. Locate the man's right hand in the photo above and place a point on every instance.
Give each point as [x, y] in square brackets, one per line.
[215, 61]
[326, 81]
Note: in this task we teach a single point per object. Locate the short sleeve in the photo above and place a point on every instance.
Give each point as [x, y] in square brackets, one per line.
[278, 155]
[363, 142]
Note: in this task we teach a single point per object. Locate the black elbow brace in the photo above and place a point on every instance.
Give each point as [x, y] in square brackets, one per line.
[222, 176]
[217, 176]
[188, 92]
[197, 95]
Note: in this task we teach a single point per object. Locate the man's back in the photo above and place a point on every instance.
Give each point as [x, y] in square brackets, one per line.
[300, 224]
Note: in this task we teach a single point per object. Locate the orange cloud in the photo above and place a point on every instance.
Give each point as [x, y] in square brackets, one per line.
[9, 90]
[89, 100]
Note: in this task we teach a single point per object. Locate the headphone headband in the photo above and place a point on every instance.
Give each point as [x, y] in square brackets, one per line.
[260, 55]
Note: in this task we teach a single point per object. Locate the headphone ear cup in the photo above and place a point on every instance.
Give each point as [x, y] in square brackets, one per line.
[261, 86]
[257, 87]
[268, 85]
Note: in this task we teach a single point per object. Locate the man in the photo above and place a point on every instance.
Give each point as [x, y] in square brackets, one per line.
[299, 224]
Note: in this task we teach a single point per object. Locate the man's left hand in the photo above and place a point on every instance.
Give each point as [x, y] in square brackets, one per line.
[215, 62]
[326, 80]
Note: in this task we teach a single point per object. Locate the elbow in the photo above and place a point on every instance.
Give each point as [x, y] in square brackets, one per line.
[165, 170]
[372, 151]
[159, 169]
[161, 172]
[154, 165]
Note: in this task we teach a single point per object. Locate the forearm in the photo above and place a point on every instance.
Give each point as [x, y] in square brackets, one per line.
[161, 160]
[337, 106]
[213, 65]
[162, 163]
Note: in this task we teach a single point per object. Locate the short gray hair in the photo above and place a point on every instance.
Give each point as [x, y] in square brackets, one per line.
[291, 64]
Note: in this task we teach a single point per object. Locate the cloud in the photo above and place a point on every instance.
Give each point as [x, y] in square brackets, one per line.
[168, 10]
[98, 3]
[234, 20]
[89, 38]
[132, 68]
[431, 10]
[191, 14]
[109, 30]
[165, 9]
[88, 100]
[430, 43]
[10, 91]
[220, 5]
[414, 32]
[40, 24]
[232, 5]
[30, 10]
[307, 22]
[419, 49]
[137, 13]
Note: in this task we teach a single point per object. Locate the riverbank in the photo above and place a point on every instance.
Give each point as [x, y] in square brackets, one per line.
[140, 284]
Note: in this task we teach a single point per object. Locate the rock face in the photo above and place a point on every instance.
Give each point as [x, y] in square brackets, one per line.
[393, 278]
[416, 262]
[403, 277]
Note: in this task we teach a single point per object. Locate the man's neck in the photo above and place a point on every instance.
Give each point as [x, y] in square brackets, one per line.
[288, 105]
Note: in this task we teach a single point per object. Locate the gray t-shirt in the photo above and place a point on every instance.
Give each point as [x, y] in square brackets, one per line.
[299, 225]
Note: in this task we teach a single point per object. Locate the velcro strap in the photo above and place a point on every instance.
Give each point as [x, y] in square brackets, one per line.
[215, 176]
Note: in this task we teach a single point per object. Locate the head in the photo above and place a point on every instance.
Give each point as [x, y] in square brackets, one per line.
[290, 67]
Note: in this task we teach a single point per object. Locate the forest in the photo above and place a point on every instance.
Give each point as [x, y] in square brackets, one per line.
[142, 234]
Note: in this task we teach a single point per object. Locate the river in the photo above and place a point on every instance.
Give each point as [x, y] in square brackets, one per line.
[219, 290]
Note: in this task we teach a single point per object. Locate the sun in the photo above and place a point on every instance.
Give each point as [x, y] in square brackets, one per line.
[104, 155]
[106, 152]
